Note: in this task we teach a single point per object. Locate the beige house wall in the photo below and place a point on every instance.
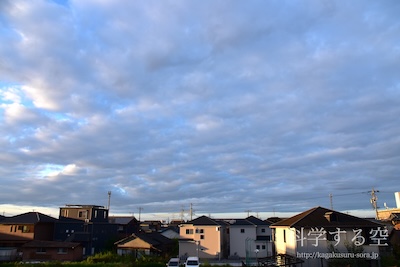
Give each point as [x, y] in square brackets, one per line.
[206, 239]
[385, 214]
[25, 231]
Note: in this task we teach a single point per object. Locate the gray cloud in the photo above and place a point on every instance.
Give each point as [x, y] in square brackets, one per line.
[230, 106]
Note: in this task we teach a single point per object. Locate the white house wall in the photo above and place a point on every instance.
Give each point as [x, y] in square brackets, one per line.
[239, 240]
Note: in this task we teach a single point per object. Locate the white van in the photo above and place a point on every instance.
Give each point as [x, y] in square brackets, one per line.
[192, 262]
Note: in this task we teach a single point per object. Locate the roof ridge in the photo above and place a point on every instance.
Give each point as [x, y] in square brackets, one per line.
[304, 214]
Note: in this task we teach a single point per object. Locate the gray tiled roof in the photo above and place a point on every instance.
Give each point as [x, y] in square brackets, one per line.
[29, 218]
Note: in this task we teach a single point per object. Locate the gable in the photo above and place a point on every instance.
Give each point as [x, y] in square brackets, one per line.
[136, 243]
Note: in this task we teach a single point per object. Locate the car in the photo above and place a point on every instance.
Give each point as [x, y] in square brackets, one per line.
[192, 262]
[173, 262]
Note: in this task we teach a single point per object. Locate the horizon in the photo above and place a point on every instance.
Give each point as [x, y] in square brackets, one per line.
[11, 210]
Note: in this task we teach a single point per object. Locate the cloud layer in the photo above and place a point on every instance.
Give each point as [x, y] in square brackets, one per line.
[231, 106]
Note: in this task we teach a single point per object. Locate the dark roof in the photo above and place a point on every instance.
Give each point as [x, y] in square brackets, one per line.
[82, 206]
[50, 244]
[274, 219]
[2, 217]
[122, 219]
[153, 238]
[241, 222]
[29, 218]
[257, 221]
[319, 217]
[203, 220]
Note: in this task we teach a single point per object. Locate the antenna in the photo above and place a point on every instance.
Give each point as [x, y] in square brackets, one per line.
[140, 211]
[109, 201]
[331, 200]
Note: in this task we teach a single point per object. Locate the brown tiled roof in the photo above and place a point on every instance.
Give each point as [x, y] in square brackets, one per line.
[318, 217]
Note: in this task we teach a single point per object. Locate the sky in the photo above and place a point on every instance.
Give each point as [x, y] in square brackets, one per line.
[228, 106]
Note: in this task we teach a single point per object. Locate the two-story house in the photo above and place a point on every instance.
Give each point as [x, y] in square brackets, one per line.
[20, 229]
[126, 225]
[88, 225]
[250, 238]
[205, 238]
[319, 235]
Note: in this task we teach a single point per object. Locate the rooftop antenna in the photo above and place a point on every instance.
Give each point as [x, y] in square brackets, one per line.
[331, 200]
[109, 201]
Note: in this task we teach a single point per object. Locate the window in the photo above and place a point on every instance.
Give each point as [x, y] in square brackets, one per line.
[329, 236]
[11, 229]
[62, 251]
[284, 236]
[82, 214]
[189, 231]
[258, 247]
[263, 247]
[199, 231]
[263, 230]
[95, 213]
[242, 230]
[41, 250]
[201, 236]
[23, 228]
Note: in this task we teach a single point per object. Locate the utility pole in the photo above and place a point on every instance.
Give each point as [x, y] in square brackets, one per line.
[140, 212]
[331, 200]
[374, 200]
[248, 212]
[191, 211]
[182, 213]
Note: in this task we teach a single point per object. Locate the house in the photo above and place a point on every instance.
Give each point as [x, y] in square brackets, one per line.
[152, 243]
[150, 226]
[38, 250]
[205, 238]
[250, 238]
[88, 225]
[87, 213]
[20, 229]
[126, 225]
[319, 235]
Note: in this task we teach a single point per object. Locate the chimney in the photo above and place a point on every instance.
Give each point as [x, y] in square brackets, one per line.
[397, 196]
